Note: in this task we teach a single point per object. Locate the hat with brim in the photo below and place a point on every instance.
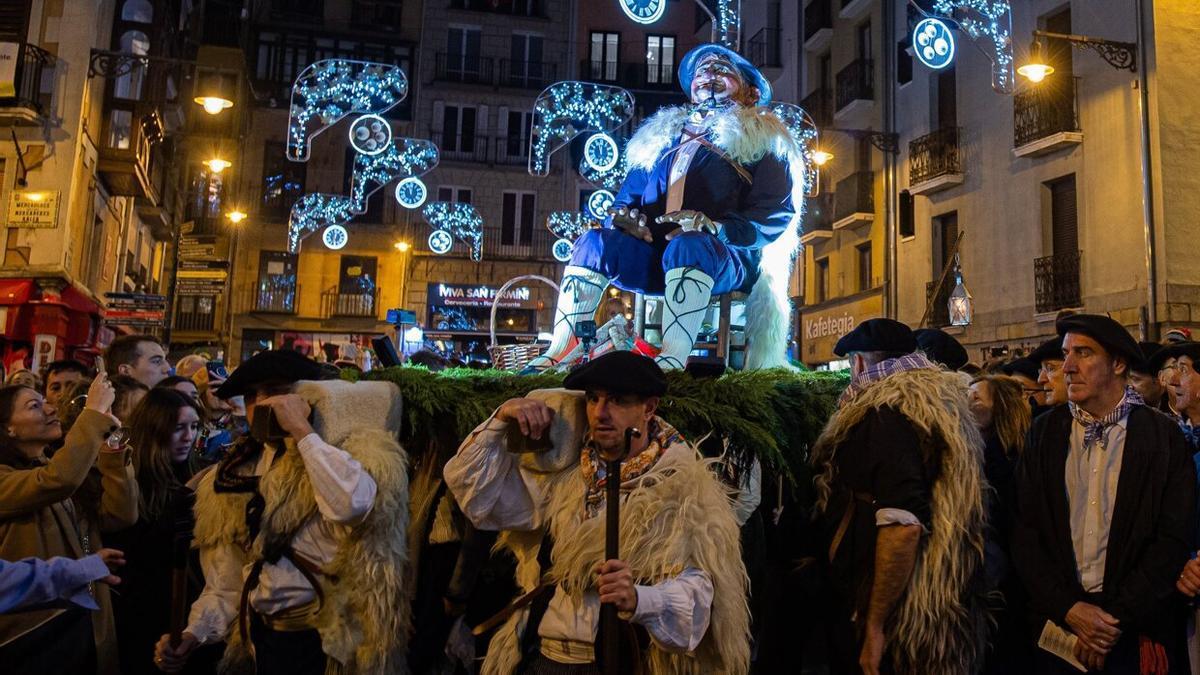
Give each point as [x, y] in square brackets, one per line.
[619, 372]
[1111, 335]
[877, 335]
[752, 75]
[1023, 366]
[273, 366]
[1145, 365]
[1050, 350]
[940, 346]
[1175, 350]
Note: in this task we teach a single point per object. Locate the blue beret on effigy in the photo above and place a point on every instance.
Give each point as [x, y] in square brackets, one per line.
[752, 75]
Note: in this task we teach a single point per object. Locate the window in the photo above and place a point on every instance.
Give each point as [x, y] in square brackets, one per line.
[947, 100]
[375, 202]
[129, 85]
[821, 280]
[516, 227]
[140, 11]
[1064, 221]
[458, 129]
[518, 127]
[357, 275]
[825, 74]
[904, 63]
[864, 41]
[280, 57]
[120, 129]
[454, 194]
[863, 253]
[908, 225]
[945, 234]
[462, 52]
[660, 59]
[377, 14]
[525, 65]
[205, 205]
[605, 47]
[276, 290]
[282, 181]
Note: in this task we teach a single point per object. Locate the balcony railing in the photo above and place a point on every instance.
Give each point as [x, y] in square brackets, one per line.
[819, 104]
[537, 246]
[657, 76]
[527, 74]
[818, 214]
[338, 304]
[856, 82]
[641, 75]
[818, 15]
[462, 147]
[512, 151]
[32, 62]
[939, 311]
[310, 11]
[1044, 111]
[276, 295]
[1056, 282]
[195, 313]
[854, 194]
[600, 71]
[934, 155]
[463, 68]
[381, 15]
[512, 7]
[764, 49]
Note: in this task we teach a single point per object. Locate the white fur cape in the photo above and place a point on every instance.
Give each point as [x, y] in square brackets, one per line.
[365, 620]
[746, 135]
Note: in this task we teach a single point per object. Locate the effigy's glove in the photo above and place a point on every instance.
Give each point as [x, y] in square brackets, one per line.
[688, 221]
[631, 222]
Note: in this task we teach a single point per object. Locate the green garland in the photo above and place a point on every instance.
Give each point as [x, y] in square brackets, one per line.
[774, 415]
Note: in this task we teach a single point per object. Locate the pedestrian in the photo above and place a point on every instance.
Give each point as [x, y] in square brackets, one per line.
[1095, 563]
[129, 393]
[1186, 358]
[25, 378]
[302, 528]
[60, 375]
[162, 435]
[181, 384]
[46, 511]
[32, 581]
[1144, 377]
[901, 454]
[1026, 373]
[1049, 357]
[138, 356]
[680, 576]
[941, 348]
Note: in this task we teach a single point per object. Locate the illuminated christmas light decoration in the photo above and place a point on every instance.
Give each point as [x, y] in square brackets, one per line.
[933, 43]
[335, 237]
[644, 11]
[460, 220]
[608, 180]
[803, 129]
[314, 211]
[440, 242]
[990, 22]
[330, 89]
[411, 192]
[569, 224]
[729, 22]
[601, 152]
[566, 109]
[599, 202]
[561, 250]
[370, 134]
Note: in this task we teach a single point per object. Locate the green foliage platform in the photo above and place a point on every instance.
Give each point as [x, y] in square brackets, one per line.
[774, 415]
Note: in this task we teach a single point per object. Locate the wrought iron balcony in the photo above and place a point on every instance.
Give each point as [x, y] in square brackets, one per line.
[527, 74]
[764, 49]
[462, 147]
[125, 159]
[1045, 111]
[818, 16]
[463, 68]
[819, 104]
[26, 105]
[337, 304]
[275, 294]
[933, 156]
[856, 82]
[512, 151]
[600, 71]
[818, 218]
[854, 198]
[939, 311]
[1056, 282]
[511, 7]
[657, 76]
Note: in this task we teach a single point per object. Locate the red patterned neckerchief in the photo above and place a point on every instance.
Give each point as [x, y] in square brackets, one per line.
[662, 436]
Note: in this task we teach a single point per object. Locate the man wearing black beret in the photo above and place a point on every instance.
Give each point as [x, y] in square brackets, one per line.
[882, 484]
[1144, 377]
[1027, 372]
[941, 347]
[1049, 357]
[1105, 512]
[536, 470]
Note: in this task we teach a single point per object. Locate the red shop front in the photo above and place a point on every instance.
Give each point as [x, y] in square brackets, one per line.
[46, 319]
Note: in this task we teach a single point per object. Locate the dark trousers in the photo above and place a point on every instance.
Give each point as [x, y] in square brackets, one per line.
[64, 644]
[544, 666]
[279, 652]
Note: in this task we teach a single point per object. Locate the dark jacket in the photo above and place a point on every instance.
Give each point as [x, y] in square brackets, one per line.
[1150, 537]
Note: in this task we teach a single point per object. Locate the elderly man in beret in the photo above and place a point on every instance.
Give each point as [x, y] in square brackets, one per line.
[900, 454]
[710, 205]
[1143, 375]
[1049, 358]
[1105, 513]
[535, 469]
[302, 528]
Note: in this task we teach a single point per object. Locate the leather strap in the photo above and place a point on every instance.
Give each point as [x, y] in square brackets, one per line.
[847, 516]
[512, 608]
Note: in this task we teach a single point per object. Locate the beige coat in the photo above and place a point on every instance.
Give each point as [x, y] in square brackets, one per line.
[36, 519]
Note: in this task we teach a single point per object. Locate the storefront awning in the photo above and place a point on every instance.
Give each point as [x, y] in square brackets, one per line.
[15, 291]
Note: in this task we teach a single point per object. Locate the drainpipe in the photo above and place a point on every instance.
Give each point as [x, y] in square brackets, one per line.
[1147, 176]
[890, 160]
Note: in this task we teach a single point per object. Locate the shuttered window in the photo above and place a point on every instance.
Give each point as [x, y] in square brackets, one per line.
[1064, 221]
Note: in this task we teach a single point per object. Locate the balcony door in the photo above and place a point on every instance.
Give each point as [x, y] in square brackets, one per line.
[526, 63]
[462, 52]
[604, 56]
[1064, 217]
[660, 59]
[946, 110]
[458, 128]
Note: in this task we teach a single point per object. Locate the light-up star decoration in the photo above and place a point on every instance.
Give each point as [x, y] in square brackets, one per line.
[404, 157]
[566, 109]
[989, 24]
[460, 221]
[331, 89]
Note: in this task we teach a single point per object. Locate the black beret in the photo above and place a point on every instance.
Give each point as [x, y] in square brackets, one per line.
[619, 372]
[275, 365]
[1022, 366]
[1145, 365]
[877, 335]
[1050, 350]
[940, 346]
[1175, 350]
[1110, 334]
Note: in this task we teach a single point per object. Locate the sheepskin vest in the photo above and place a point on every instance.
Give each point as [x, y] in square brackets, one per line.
[940, 625]
[365, 620]
[677, 516]
[745, 135]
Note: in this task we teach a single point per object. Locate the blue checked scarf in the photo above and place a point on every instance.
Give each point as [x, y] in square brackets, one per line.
[1093, 427]
[880, 370]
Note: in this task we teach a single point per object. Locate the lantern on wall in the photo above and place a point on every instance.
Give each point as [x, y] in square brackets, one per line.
[960, 303]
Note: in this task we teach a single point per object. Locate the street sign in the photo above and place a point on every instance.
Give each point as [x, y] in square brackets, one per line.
[33, 208]
[130, 317]
[133, 301]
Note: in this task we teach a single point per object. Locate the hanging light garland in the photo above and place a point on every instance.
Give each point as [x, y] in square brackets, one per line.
[330, 89]
[984, 21]
[459, 220]
[566, 109]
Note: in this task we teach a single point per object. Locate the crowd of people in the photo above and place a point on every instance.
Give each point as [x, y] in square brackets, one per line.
[1035, 514]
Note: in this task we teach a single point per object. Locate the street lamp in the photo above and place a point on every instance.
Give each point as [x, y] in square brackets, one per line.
[1119, 55]
[217, 165]
[402, 246]
[821, 157]
[214, 100]
[235, 216]
[1037, 69]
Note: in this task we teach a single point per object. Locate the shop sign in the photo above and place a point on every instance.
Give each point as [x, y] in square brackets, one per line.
[9, 52]
[33, 208]
[821, 328]
[464, 295]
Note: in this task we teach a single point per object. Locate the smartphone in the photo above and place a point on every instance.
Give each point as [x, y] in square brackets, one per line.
[519, 443]
[264, 427]
[100, 364]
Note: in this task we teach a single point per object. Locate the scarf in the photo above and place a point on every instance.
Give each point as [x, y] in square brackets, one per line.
[1191, 433]
[662, 436]
[1093, 427]
[877, 372]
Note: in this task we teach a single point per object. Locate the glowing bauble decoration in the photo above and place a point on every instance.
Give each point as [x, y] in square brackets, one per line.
[601, 152]
[644, 11]
[599, 202]
[335, 237]
[562, 249]
[370, 134]
[933, 43]
[411, 192]
[440, 242]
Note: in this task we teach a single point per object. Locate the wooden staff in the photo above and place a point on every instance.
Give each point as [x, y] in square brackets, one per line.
[181, 545]
[610, 621]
